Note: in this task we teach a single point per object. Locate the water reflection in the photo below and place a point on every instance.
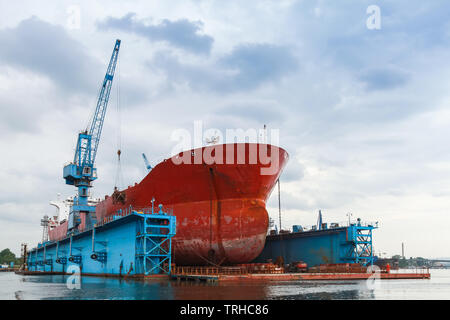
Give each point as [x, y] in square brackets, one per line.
[13, 286]
[204, 291]
[321, 290]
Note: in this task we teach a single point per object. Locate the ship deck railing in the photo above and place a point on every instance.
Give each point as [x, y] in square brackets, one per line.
[119, 214]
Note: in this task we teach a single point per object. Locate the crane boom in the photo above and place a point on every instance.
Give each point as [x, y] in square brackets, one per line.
[97, 121]
[81, 172]
[86, 155]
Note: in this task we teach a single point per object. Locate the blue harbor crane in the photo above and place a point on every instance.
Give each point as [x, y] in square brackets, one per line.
[81, 172]
[147, 164]
[142, 237]
[319, 221]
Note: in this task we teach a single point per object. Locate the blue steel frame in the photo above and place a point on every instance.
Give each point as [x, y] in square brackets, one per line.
[361, 249]
[46, 261]
[75, 258]
[100, 256]
[154, 234]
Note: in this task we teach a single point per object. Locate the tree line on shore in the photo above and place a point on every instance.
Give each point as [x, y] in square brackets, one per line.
[6, 257]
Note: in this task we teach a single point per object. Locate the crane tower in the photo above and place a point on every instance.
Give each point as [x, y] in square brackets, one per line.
[81, 171]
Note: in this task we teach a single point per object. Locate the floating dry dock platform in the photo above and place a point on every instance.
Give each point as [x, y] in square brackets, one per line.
[270, 272]
[299, 276]
[327, 244]
[258, 272]
[259, 277]
[132, 244]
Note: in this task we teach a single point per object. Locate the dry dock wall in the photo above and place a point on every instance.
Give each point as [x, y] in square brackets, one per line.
[137, 244]
[312, 247]
[116, 239]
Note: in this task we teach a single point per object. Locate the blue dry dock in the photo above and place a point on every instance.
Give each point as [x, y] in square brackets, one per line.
[132, 243]
[324, 245]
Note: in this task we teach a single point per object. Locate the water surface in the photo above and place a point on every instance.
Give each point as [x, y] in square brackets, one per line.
[19, 287]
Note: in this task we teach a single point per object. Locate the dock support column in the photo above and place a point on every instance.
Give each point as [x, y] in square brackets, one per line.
[154, 243]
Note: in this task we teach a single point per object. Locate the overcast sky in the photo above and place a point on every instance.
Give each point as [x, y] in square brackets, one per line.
[364, 113]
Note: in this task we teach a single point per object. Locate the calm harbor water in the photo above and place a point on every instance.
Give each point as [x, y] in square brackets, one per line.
[14, 286]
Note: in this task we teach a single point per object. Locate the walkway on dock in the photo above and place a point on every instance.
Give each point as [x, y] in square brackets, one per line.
[298, 276]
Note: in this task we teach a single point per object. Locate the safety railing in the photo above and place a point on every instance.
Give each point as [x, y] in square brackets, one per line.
[331, 225]
[181, 270]
[129, 210]
[338, 268]
[418, 270]
[268, 268]
[251, 268]
[121, 213]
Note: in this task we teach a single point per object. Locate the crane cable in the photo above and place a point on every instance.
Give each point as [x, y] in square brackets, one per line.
[280, 233]
[119, 176]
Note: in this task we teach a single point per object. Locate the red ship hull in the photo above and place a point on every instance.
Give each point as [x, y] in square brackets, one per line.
[220, 207]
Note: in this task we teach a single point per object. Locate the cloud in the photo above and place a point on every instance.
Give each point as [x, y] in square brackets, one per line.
[289, 201]
[180, 33]
[383, 78]
[259, 62]
[363, 113]
[16, 114]
[246, 67]
[47, 49]
[294, 171]
[247, 114]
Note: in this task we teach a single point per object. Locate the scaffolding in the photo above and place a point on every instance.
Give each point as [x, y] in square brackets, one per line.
[154, 242]
[359, 237]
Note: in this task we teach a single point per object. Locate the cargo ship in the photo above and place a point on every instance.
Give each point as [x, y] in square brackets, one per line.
[220, 205]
